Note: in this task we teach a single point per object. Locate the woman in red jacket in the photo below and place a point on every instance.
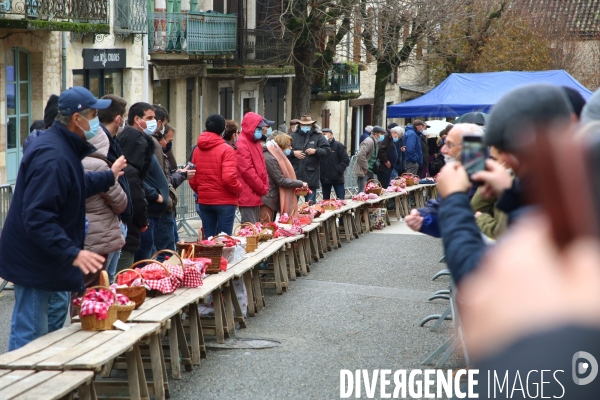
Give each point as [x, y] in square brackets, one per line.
[216, 180]
[252, 171]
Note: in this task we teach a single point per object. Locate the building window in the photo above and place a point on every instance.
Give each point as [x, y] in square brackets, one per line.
[226, 102]
[100, 81]
[161, 93]
[325, 114]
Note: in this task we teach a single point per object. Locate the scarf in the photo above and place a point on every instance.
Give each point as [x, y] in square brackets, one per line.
[288, 203]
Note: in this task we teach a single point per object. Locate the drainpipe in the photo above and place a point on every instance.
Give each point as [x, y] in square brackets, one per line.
[63, 86]
[145, 64]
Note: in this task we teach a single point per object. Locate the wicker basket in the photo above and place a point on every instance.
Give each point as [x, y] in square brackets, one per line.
[227, 250]
[301, 193]
[270, 228]
[409, 178]
[251, 241]
[151, 292]
[137, 294]
[378, 190]
[124, 311]
[199, 250]
[90, 323]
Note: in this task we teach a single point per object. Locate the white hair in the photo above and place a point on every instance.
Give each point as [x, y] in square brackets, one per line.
[398, 129]
[369, 128]
[468, 129]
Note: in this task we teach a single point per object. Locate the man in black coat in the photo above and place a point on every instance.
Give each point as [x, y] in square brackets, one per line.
[333, 167]
[388, 157]
[308, 147]
[137, 148]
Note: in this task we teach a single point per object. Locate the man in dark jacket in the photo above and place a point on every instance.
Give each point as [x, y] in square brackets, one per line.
[414, 152]
[308, 147]
[398, 168]
[43, 235]
[388, 156]
[333, 167]
[366, 133]
[137, 147]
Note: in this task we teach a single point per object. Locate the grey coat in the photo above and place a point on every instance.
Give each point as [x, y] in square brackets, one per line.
[102, 210]
[276, 180]
[365, 151]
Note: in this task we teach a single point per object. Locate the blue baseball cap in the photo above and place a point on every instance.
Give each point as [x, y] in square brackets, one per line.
[265, 122]
[78, 99]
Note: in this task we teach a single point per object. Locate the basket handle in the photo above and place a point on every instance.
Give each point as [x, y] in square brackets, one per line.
[170, 252]
[148, 261]
[374, 180]
[237, 229]
[130, 269]
[102, 287]
[266, 219]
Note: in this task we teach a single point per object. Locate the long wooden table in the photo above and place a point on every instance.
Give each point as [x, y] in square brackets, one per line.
[72, 348]
[46, 385]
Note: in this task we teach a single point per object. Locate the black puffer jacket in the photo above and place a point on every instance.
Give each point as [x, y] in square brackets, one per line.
[335, 163]
[309, 169]
[138, 150]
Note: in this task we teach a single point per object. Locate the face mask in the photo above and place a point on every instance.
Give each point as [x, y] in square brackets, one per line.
[162, 131]
[396, 139]
[269, 131]
[168, 147]
[381, 138]
[150, 127]
[305, 128]
[258, 134]
[288, 152]
[94, 126]
[448, 159]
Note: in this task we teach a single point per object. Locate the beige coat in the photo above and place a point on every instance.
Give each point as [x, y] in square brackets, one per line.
[104, 232]
[365, 151]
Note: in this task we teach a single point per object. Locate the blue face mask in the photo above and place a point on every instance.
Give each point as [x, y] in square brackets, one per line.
[305, 128]
[269, 131]
[288, 152]
[381, 138]
[257, 133]
[396, 139]
[94, 126]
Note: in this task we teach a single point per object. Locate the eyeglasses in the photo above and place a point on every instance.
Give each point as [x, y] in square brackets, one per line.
[451, 145]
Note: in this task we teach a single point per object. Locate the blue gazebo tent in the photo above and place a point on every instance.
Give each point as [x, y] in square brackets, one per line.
[462, 93]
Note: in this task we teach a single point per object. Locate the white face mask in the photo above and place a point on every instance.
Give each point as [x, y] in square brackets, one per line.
[448, 159]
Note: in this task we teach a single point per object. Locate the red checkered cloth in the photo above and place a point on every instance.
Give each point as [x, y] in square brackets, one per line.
[95, 303]
[157, 279]
[193, 272]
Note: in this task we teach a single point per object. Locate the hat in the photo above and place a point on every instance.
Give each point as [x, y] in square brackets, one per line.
[392, 125]
[530, 104]
[78, 99]
[575, 98]
[215, 123]
[306, 120]
[418, 122]
[378, 129]
[369, 128]
[264, 123]
[326, 130]
[51, 110]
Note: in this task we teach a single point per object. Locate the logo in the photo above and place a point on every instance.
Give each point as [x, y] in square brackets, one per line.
[580, 367]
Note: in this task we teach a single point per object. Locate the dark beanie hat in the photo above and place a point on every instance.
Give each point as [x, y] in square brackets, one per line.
[575, 98]
[215, 123]
[51, 110]
[521, 108]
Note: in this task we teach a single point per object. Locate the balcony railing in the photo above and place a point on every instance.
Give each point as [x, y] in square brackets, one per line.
[259, 47]
[194, 33]
[54, 14]
[339, 79]
[131, 16]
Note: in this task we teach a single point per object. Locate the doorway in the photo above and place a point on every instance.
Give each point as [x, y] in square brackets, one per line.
[18, 108]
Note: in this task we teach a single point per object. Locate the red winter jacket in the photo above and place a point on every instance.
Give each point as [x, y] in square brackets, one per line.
[252, 170]
[216, 180]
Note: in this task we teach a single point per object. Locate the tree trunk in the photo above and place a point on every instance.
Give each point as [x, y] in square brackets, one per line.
[301, 91]
[384, 70]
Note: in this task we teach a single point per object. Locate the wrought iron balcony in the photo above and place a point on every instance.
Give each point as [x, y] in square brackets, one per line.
[342, 78]
[193, 33]
[55, 15]
[131, 16]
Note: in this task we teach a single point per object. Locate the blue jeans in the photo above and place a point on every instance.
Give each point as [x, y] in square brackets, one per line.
[175, 232]
[111, 264]
[394, 175]
[36, 313]
[216, 218]
[340, 192]
[159, 235]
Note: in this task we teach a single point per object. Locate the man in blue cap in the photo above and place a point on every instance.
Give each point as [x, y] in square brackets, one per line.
[41, 246]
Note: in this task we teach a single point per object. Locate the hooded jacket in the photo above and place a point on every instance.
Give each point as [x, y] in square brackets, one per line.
[102, 210]
[137, 149]
[44, 229]
[216, 180]
[252, 171]
[413, 153]
[309, 169]
[335, 163]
